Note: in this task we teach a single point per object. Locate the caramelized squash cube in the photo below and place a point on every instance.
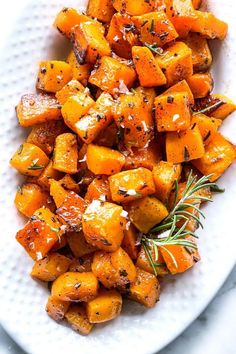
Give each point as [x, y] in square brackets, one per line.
[98, 189]
[207, 126]
[80, 72]
[53, 75]
[201, 84]
[78, 319]
[79, 245]
[103, 10]
[65, 157]
[70, 89]
[50, 267]
[56, 308]
[139, 7]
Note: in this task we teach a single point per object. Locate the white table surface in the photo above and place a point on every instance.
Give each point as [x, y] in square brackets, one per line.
[213, 331]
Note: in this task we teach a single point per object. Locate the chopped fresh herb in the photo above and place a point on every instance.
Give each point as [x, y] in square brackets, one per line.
[123, 273]
[19, 189]
[170, 99]
[144, 23]
[163, 35]
[129, 27]
[122, 191]
[186, 154]
[19, 151]
[54, 229]
[120, 134]
[132, 90]
[154, 48]
[77, 285]
[151, 29]
[207, 136]
[34, 165]
[217, 189]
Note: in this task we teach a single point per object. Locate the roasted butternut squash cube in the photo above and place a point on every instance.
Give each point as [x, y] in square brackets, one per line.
[37, 108]
[146, 157]
[30, 197]
[129, 243]
[75, 107]
[65, 158]
[80, 72]
[103, 225]
[69, 184]
[58, 193]
[114, 269]
[134, 120]
[209, 26]
[44, 135]
[71, 211]
[70, 89]
[104, 161]
[89, 43]
[130, 185]
[172, 112]
[50, 267]
[176, 63]
[108, 136]
[219, 155]
[98, 189]
[29, 160]
[201, 54]
[183, 87]
[201, 84]
[103, 10]
[40, 233]
[122, 35]
[184, 146]
[78, 319]
[183, 259]
[78, 244]
[144, 263]
[68, 18]
[112, 75]
[145, 289]
[223, 110]
[97, 118]
[105, 307]
[147, 212]
[207, 126]
[74, 286]
[155, 28]
[138, 7]
[164, 175]
[56, 309]
[147, 67]
[82, 264]
[53, 75]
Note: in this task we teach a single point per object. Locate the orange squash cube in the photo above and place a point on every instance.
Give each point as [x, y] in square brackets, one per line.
[146, 65]
[37, 108]
[164, 175]
[130, 185]
[104, 161]
[29, 160]
[181, 86]
[122, 35]
[184, 146]
[68, 18]
[155, 28]
[201, 84]
[56, 308]
[65, 157]
[40, 233]
[112, 74]
[50, 267]
[114, 269]
[103, 10]
[98, 189]
[225, 109]
[44, 135]
[144, 263]
[80, 72]
[105, 307]
[70, 89]
[146, 289]
[176, 62]
[89, 43]
[209, 26]
[134, 120]
[219, 155]
[30, 197]
[75, 107]
[97, 118]
[172, 112]
[53, 75]
[201, 54]
[147, 212]
[71, 211]
[103, 225]
[129, 243]
[108, 136]
[69, 184]
[78, 319]
[138, 7]
[78, 244]
[58, 193]
[207, 126]
[74, 286]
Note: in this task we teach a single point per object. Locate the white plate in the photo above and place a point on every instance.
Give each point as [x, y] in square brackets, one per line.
[22, 299]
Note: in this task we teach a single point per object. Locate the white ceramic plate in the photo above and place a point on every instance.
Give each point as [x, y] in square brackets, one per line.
[22, 299]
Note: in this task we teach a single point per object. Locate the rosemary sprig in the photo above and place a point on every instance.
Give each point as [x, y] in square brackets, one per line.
[168, 232]
[34, 165]
[209, 108]
[154, 48]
